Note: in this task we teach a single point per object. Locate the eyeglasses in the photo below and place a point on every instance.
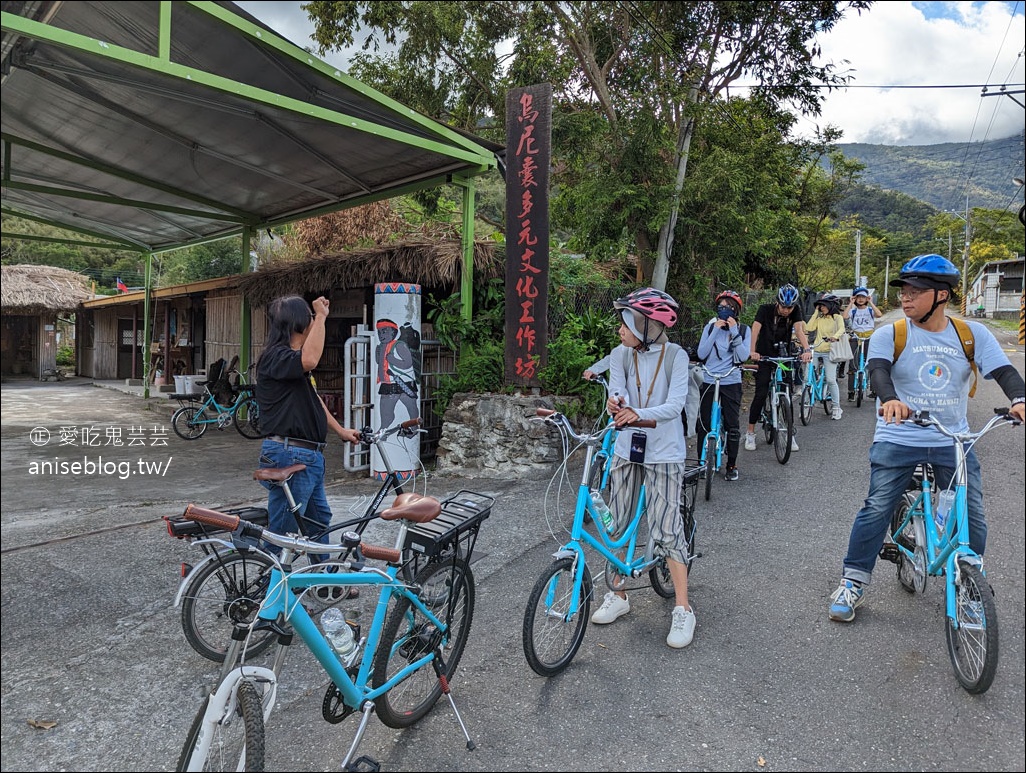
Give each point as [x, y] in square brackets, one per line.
[911, 293]
[782, 307]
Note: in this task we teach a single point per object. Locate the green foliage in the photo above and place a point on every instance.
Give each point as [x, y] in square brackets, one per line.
[204, 261]
[480, 369]
[581, 341]
[66, 355]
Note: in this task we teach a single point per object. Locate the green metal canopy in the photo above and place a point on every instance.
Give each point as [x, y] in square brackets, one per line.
[156, 125]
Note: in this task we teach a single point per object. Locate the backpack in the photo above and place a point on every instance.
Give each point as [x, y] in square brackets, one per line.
[742, 330]
[965, 337]
[671, 348]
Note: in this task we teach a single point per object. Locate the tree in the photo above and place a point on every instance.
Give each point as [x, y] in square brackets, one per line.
[620, 72]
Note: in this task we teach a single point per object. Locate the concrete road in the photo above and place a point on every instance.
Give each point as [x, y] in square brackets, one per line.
[91, 641]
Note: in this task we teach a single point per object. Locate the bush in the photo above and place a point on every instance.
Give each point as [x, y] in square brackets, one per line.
[582, 340]
[65, 355]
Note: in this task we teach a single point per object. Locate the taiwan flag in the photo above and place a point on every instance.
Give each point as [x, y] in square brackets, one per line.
[122, 287]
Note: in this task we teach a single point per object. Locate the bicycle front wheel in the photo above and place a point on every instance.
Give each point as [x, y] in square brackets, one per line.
[785, 430]
[805, 405]
[551, 636]
[188, 422]
[247, 419]
[446, 587]
[767, 421]
[236, 739]
[860, 388]
[973, 635]
[710, 465]
[224, 593]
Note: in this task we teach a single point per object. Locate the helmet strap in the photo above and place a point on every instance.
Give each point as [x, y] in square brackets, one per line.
[936, 302]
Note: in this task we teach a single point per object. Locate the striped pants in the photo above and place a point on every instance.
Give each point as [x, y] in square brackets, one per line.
[662, 501]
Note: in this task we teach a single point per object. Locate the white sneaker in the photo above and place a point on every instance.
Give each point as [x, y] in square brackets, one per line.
[612, 607]
[794, 443]
[749, 441]
[837, 413]
[682, 628]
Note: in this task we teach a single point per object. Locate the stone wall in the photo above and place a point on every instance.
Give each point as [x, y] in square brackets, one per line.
[493, 434]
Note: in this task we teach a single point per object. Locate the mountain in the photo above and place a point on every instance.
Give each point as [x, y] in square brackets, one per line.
[938, 174]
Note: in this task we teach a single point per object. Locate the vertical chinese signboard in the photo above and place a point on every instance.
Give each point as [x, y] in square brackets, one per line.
[528, 135]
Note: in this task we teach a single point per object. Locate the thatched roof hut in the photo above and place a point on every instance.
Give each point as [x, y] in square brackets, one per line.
[430, 263]
[31, 289]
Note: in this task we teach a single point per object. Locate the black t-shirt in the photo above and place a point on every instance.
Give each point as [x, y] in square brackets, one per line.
[288, 402]
[775, 329]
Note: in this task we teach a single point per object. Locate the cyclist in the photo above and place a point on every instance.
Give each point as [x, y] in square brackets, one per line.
[774, 323]
[724, 344]
[639, 389]
[933, 374]
[828, 324]
[294, 416]
[861, 315]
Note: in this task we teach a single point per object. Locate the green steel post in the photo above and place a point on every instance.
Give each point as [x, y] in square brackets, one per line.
[244, 338]
[467, 239]
[147, 333]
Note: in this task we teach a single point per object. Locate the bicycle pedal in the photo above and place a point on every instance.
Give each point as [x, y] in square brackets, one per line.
[890, 552]
[364, 763]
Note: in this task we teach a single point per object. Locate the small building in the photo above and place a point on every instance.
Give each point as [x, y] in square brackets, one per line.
[997, 290]
[34, 298]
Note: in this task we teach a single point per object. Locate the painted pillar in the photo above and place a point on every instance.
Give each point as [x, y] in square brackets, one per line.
[395, 371]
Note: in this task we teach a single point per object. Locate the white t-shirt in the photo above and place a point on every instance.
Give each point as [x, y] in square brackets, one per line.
[863, 320]
[933, 374]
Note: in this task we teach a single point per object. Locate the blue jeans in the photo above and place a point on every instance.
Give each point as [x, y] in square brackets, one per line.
[307, 489]
[891, 470]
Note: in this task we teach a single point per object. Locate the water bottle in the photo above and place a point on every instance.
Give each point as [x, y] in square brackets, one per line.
[602, 509]
[338, 632]
[945, 501]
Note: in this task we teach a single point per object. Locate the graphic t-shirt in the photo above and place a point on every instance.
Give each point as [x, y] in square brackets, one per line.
[862, 319]
[933, 374]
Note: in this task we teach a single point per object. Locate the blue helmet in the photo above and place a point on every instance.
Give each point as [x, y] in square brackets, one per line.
[787, 295]
[934, 272]
[860, 291]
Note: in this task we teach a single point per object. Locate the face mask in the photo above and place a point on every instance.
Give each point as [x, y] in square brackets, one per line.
[724, 312]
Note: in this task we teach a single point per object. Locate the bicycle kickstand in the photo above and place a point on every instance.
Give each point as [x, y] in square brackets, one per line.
[443, 680]
[363, 762]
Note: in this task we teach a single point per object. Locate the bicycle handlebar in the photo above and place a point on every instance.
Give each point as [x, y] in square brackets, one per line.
[719, 376]
[924, 419]
[555, 417]
[234, 523]
[409, 428]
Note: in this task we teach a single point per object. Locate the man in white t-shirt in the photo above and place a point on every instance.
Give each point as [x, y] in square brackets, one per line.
[932, 374]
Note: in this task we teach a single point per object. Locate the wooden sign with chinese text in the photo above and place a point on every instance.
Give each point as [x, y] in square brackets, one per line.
[528, 137]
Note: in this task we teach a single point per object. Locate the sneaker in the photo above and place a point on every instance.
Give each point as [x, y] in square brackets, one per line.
[682, 628]
[794, 443]
[612, 607]
[845, 599]
[730, 474]
[837, 413]
[749, 441]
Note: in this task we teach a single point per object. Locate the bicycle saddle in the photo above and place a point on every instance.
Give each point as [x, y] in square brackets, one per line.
[418, 508]
[278, 474]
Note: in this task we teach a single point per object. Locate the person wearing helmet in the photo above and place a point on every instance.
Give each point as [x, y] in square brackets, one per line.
[932, 374]
[828, 324]
[648, 379]
[775, 323]
[724, 343]
[861, 315]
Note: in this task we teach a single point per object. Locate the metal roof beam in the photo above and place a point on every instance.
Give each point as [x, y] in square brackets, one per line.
[124, 243]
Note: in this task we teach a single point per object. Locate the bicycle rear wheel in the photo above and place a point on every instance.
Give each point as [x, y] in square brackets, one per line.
[710, 464]
[912, 536]
[223, 593]
[785, 430]
[447, 588]
[805, 405]
[973, 635]
[247, 419]
[237, 741]
[767, 421]
[551, 639]
[188, 422]
[860, 388]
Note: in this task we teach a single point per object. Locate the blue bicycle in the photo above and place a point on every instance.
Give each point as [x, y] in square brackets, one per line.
[399, 669]
[559, 608]
[860, 375]
[924, 545]
[814, 391]
[714, 445]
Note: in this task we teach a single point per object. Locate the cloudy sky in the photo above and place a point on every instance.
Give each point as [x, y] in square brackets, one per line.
[919, 69]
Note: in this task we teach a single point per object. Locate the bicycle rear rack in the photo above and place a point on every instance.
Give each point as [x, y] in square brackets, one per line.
[455, 528]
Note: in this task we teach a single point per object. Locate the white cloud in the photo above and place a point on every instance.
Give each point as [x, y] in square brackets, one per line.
[893, 44]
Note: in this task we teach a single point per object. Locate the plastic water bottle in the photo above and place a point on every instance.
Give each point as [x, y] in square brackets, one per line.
[338, 632]
[945, 501]
[602, 509]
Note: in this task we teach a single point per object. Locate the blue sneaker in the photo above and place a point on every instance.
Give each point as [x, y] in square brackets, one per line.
[845, 599]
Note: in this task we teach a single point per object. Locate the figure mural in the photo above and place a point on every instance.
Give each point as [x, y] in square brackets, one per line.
[397, 354]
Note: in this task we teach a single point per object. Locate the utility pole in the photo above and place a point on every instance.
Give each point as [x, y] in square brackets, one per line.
[858, 256]
[887, 277]
[965, 259]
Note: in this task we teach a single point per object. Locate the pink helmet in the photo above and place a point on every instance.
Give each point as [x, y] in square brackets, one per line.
[651, 303]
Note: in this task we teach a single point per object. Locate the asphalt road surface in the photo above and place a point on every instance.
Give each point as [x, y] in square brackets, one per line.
[97, 676]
